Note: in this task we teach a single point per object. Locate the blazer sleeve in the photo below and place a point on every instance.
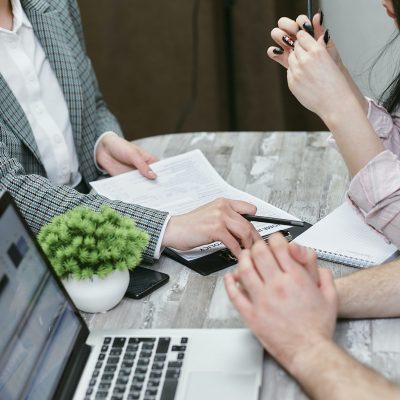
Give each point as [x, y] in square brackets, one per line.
[39, 200]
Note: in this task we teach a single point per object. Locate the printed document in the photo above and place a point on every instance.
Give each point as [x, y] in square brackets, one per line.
[184, 182]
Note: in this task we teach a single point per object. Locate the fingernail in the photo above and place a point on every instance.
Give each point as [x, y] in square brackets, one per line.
[321, 17]
[152, 174]
[308, 28]
[326, 36]
[289, 41]
[278, 50]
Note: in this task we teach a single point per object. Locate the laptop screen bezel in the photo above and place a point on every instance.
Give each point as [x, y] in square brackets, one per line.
[75, 357]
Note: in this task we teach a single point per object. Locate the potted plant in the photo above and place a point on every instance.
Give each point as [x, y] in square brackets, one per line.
[92, 253]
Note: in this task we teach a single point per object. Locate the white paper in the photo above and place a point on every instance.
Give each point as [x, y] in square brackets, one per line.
[184, 183]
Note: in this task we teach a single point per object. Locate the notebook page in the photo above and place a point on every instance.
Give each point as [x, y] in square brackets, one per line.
[343, 232]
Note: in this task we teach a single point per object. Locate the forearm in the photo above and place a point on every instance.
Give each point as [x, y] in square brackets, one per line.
[326, 372]
[354, 135]
[372, 293]
[355, 89]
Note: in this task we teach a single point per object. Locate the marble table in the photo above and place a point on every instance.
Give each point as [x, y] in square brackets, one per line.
[296, 171]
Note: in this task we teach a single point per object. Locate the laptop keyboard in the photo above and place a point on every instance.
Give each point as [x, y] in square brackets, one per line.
[137, 368]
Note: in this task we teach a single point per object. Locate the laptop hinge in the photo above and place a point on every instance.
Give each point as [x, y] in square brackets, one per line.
[70, 380]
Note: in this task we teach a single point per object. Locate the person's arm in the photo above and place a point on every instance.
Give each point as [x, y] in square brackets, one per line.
[371, 293]
[326, 372]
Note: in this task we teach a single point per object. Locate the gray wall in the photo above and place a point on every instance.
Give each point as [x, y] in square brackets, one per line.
[360, 29]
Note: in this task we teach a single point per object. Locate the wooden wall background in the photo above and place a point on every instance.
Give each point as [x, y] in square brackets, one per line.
[142, 54]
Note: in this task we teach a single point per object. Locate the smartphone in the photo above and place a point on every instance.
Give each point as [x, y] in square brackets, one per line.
[144, 281]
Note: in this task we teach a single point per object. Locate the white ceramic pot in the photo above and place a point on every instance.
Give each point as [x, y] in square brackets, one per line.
[97, 294]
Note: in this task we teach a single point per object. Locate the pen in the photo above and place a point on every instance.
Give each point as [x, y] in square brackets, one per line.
[310, 10]
[268, 220]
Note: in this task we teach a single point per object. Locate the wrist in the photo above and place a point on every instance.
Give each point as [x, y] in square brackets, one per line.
[340, 111]
[170, 233]
[307, 358]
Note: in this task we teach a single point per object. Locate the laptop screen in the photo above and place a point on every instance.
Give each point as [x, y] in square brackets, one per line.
[38, 326]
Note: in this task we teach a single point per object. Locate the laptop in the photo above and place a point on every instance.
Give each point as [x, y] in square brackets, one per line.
[47, 351]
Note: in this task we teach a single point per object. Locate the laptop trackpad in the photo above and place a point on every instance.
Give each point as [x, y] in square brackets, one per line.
[221, 386]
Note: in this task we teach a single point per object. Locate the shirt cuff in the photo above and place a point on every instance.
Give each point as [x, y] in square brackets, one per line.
[95, 149]
[158, 250]
[377, 181]
[379, 118]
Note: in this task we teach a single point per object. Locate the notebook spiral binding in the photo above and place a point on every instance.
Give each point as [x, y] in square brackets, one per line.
[342, 259]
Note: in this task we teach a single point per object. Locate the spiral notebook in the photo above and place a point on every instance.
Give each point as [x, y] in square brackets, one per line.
[344, 238]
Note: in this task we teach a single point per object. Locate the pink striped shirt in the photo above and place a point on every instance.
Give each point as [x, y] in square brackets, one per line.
[375, 190]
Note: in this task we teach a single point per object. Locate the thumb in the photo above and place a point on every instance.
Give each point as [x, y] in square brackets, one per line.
[242, 207]
[139, 162]
[327, 286]
[307, 258]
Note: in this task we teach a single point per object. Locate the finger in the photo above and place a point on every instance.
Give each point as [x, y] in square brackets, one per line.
[229, 241]
[264, 261]
[319, 28]
[304, 23]
[242, 229]
[282, 38]
[275, 54]
[327, 286]
[288, 25]
[280, 250]
[138, 162]
[236, 296]
[242, 207]
[306, 41]
[249, 277]
[236, 277]
[307, 258]
[299, 51]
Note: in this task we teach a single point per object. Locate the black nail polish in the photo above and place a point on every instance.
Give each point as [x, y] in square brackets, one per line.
[327, 36]
[321, 17]
[288, 41]
[278, 50]
[308, 28]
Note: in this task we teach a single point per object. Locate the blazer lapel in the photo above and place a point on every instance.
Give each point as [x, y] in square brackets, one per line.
[14, 117]
[49, 30]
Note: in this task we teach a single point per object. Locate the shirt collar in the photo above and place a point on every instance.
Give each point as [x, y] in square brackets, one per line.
[19, 15]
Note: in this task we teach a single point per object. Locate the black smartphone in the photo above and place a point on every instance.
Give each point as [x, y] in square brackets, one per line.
[144, 281]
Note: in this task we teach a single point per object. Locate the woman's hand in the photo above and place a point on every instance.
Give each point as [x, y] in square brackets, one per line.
[116, 155]
[290, 28]
[219, 220]
[281, 302]
[314, 78]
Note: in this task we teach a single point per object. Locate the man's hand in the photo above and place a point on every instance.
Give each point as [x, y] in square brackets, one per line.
[280, 301]
[116, 155]
[219, 220]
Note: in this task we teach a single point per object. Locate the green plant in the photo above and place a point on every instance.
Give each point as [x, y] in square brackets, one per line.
[82, 243]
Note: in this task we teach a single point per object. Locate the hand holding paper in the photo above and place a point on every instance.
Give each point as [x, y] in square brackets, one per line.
[219, 220]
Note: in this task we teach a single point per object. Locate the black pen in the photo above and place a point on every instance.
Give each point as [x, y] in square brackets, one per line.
[268, 220]
[310, 10]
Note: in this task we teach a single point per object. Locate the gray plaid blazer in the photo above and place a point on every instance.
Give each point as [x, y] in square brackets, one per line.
[57, 26]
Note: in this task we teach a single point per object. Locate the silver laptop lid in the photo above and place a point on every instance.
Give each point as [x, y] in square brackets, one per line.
[40, 330]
